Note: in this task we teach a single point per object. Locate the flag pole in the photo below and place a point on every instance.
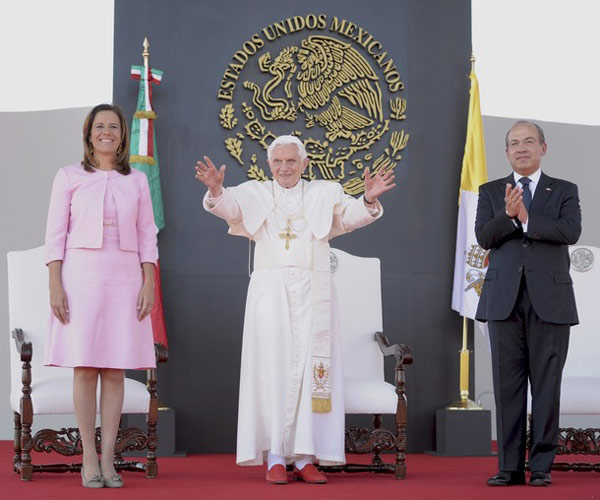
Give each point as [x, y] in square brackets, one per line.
[146, 52]
[465, 403]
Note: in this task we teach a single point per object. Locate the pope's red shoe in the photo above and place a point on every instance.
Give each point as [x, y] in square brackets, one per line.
[309, 474]
[277, 475]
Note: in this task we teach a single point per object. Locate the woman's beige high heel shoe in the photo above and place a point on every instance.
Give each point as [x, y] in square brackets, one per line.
[94, 482]
[113, 482]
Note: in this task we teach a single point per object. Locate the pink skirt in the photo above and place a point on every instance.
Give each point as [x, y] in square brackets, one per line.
[102, 287]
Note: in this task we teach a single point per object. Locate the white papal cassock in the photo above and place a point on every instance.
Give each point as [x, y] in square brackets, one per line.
[275, 411]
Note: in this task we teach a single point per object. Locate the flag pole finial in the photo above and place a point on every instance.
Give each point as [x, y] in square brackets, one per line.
[146, 53]
[472, 59]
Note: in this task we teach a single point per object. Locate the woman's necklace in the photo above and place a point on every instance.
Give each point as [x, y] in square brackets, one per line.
[291, 219]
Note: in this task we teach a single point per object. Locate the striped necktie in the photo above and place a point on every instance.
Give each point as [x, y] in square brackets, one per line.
[526, 192]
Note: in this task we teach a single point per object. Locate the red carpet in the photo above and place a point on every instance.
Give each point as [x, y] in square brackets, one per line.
[217, 477]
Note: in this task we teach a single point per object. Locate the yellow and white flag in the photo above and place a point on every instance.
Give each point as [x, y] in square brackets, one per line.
[471, 260]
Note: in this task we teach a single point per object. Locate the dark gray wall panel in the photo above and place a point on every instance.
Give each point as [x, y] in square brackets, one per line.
[205, 271]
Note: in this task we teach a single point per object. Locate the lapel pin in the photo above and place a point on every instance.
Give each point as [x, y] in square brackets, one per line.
[548, 189]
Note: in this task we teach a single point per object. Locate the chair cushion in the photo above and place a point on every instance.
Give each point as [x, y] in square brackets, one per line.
[369, 396]
[54, 395]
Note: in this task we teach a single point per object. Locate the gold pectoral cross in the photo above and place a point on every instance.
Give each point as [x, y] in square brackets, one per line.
[288, 235]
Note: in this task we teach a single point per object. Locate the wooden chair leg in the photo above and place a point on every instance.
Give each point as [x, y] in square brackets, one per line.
[26, 408]
[403, 355]
[376, 452]
[151, 465]
[400, 471]
[25, 467]
[17, 441]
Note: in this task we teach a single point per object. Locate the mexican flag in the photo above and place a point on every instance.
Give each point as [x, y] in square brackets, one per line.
[144, 157]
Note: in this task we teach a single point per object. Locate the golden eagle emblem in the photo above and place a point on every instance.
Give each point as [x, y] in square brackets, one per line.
[326, 92]
[319, 80]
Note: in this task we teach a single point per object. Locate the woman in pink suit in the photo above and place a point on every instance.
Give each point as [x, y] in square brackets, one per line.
[100, 252]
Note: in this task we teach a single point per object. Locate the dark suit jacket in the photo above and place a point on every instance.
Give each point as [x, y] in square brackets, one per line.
[541, 255]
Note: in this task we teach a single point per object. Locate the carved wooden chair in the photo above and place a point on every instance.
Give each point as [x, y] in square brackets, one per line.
[580, 388]
[37, 389]
[364, 345]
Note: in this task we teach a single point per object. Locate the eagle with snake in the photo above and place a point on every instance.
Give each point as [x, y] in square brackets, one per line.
[326, 80]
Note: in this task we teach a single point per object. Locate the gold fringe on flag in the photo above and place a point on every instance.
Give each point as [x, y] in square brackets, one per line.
[150, 115]
[147, 160]
[320, 405]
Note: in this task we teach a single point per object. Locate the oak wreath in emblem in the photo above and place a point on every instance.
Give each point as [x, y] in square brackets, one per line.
[331, 94]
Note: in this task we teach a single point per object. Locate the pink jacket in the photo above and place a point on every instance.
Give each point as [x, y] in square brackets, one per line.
[76, 212]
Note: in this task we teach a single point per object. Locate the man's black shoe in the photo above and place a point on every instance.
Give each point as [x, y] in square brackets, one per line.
[540, 478]
[507, 478]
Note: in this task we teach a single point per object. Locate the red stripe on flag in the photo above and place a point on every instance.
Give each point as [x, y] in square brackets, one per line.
[159, 329]
[150, 121]
[150, 138]
[149, 80]
[156, 80]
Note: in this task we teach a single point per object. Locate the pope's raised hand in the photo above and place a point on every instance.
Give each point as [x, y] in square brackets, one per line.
[376, 185]
[207, 173]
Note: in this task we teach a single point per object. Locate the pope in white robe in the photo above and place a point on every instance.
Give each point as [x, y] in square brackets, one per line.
[291, 406]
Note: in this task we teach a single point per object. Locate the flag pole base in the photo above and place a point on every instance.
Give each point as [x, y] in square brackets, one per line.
[464, 404]
[463, 433]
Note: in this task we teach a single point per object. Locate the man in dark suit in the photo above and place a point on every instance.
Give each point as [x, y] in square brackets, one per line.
[527, 220]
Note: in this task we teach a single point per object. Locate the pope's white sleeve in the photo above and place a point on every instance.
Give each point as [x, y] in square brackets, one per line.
[351, 213]
[224, 206]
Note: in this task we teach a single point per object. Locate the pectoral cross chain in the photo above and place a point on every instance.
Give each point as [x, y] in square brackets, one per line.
[288, 235]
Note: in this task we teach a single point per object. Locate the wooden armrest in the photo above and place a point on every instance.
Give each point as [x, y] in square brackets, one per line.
[161, 352]
[25, 349]
[402, 352]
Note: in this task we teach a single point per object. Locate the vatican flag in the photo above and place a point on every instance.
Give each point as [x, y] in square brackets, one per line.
[471, 260]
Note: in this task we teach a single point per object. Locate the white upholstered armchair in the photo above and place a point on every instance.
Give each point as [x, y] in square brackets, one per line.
[37, 389]
[364, 345]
